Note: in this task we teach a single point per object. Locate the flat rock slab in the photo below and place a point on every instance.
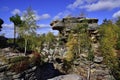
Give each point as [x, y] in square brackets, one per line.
[68, 77]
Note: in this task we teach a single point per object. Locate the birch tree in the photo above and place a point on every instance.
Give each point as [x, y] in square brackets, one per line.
[28, 27]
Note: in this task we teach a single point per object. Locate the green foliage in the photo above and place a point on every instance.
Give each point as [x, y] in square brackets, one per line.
[67, 66]
[50, 39]
[71, 45]
[28, 27]
[118, 40]
[84, 43]
[20, 44]
[17, 22]
[106, 21]
[118, 45]
[80, 28]
[79, 42]
[69, 56]
[27, 37]
[17, 59]
[115, 70]
[34, 43]
[108, 40]
[118, 22]
[82, 37]
[38, 43]
[9, 41]
[90, 56]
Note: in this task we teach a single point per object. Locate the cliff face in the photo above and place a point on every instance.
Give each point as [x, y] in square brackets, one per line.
[66, 25]
[90, 70]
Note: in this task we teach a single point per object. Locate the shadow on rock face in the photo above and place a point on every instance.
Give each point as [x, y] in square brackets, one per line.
[46, 71]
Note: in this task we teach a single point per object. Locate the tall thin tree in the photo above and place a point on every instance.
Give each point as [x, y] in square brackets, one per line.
[28, 27]
[17, 21]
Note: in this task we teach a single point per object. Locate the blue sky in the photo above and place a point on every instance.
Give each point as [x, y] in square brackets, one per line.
[48, 10]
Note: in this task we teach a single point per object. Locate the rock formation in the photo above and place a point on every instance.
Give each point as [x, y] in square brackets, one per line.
[66, 24]
[96, 69]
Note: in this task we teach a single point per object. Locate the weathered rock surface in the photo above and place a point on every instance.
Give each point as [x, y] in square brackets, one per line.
[49, 71]
[42, 72]
[25, 75]
[68, 77]
[98, 59]
[96, 70]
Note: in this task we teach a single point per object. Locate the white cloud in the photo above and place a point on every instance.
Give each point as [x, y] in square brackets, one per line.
[41, 17]
[58, 16]
[102, 5]
[8, 30]
[36, 15]
[116, 15]
[8, 25]
[75, 4]
[62, 14]
[43, 25]
[91, 1]
[44, 16]
[16, 11]
[94, 5]
[7, 33]
[55, 32]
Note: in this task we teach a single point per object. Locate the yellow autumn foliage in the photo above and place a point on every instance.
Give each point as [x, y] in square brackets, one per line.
[108, 41]
[71, 44]
[69, 56]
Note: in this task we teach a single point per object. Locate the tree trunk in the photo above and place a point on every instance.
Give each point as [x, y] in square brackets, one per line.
[89, 71]
[25, 46]
[14, 36]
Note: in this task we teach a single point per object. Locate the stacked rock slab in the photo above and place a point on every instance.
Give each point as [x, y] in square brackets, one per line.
[66, 24]
[98, 70]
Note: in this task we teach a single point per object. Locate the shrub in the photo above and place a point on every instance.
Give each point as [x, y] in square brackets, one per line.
[35, 59]
[67, 66]
[118, 45]
[90, 56]
[69, 56]
[18, 59]
[19, 66]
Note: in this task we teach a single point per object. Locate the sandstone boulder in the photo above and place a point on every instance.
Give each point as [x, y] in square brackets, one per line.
[68, 77]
